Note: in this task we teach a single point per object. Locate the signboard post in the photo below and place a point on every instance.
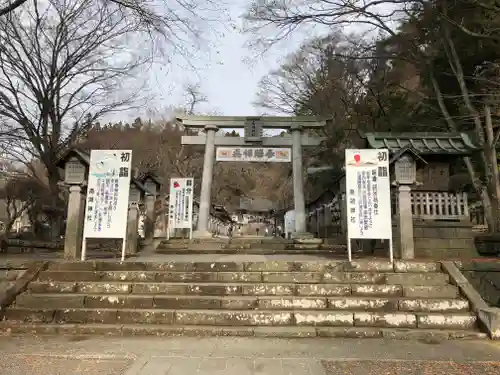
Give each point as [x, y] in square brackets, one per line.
[254, 154]
[368, 196]
[180, 205]
[106, 209]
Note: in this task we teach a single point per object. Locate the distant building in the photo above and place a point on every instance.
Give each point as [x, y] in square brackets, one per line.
[253, 210]
[289, 222]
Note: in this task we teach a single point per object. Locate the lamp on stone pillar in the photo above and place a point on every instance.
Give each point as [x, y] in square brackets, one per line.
[136, 197]
[202, 230]
[405, 175]
[75, 164]
[318, 216]
[152, 186]
[298, 183]
[149, 205]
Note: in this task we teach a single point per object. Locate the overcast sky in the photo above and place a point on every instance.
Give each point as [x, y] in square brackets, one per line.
[227, 77]
[226, 69]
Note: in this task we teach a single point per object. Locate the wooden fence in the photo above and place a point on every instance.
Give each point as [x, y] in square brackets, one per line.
[430, 205]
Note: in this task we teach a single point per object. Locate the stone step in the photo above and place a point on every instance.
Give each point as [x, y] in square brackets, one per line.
[424, 279]
[235, 250]
[257, 289]
[172, 246]
[47, 301]
[274, 266]
[461, 321]
[425, 335]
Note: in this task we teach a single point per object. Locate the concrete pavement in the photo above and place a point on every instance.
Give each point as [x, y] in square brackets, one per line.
[243, 356]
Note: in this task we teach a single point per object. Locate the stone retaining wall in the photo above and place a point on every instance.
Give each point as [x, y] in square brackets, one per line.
[440, 240]
[8, 277]
[17, 246]
[329, 231]
[485, 278]
[432, 239]
[444, 240]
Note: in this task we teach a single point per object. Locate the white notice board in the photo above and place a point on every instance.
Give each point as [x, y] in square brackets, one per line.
[106, 209]
[368, 197]
[180, 204]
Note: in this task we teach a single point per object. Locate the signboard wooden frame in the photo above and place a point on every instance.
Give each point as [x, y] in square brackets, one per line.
[368, 196]
[180, 205]
[108, 191]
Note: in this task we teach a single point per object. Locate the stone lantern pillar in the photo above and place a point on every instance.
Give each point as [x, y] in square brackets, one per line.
[405, 173]
[152, 185]
[76, 167]
[136, 197]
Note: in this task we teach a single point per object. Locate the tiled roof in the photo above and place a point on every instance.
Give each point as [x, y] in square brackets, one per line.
[423, 143]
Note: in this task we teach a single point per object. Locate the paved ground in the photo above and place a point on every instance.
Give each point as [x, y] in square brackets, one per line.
[410, 368]
[243, 356]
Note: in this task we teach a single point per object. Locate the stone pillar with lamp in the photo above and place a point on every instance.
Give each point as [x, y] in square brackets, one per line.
[136, 197]
[75, 164]
[405, 175]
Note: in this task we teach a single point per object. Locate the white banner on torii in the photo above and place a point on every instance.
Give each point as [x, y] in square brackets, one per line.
[254, 154]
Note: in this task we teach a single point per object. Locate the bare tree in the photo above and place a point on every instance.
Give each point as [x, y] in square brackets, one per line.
[272, 21]
[175, 20]
[425, 29]
[63, 65]
[194, 97]
[19, 194]
[11, 6]
[477, 105]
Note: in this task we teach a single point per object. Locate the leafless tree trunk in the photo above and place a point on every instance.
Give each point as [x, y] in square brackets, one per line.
[63, 64]
[287, 17]
[175, 20]
[18, 195]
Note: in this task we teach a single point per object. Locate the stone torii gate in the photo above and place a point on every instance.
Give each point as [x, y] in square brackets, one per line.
[253, 127]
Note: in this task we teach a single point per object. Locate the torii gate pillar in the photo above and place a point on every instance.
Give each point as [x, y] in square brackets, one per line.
[298, 183]
[206, 184]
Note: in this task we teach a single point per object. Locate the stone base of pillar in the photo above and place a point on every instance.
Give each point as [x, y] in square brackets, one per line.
[132, 247]
[306, 241]
[147, 241]
[302, 236]
[72, 256]
[202, 235]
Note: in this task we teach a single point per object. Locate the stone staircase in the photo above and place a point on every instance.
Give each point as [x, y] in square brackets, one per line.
[274, 298]
[245, 245]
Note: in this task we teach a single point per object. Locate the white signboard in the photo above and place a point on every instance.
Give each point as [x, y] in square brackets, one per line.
[180, 204]
[255, 154]
[106, 209]
[368, 197]
[289, 222]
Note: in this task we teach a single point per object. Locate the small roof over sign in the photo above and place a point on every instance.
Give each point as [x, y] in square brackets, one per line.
[406, 150]
[152, 176]
[138, 184]
[423, 143]
[76, 152]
